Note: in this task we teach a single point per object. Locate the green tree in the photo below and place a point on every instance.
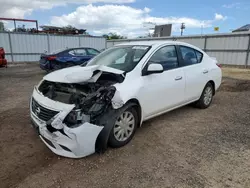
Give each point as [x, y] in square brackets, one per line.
[106, 36]
[113, 36]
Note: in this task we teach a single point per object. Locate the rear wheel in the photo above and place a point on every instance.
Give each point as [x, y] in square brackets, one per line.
[124, 127]
[206, 97]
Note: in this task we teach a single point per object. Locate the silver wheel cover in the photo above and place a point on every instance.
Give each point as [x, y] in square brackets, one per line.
[124, 126]
[208, 95]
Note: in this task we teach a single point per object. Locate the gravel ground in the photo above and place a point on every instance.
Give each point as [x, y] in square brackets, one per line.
[187, 147]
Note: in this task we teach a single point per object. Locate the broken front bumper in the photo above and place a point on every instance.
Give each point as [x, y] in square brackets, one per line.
[74, 142]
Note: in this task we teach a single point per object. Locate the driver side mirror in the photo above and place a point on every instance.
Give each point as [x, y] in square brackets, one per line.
[152, 68]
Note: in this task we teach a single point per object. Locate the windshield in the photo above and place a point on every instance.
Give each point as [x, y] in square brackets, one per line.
[124, 58]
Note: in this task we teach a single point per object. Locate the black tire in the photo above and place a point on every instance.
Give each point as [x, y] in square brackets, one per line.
[113, 142]
[202, 103]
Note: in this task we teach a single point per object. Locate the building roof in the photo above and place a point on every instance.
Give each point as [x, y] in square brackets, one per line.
[243, 28]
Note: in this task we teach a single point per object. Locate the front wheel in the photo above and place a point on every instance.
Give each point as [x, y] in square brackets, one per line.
[206, 97]
[124, 127]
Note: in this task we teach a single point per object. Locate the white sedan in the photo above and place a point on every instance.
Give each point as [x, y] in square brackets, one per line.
[83, 109]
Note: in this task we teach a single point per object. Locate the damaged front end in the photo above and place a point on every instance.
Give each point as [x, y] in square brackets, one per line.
[91, 99]
[69, 116]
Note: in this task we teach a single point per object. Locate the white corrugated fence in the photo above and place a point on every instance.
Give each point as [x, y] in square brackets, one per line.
[23, 47]
[229, 49]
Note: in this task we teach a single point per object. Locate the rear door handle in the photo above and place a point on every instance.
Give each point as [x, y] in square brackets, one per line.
[205, 71]
[178, 78]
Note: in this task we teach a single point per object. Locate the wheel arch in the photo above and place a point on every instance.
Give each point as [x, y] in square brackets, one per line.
[137, 108]
[102, 139]
[213, 84]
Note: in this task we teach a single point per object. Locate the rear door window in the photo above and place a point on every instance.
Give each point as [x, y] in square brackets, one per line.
[80, 52]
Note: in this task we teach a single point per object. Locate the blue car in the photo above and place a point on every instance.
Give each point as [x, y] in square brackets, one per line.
[66, 58]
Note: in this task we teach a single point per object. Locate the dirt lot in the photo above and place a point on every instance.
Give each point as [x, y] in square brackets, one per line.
[237, 73]
[184, 148]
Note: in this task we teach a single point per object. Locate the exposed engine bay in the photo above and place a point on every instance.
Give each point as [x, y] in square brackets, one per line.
[91, 99]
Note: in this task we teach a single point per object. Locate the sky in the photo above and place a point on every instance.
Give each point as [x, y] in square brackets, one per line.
[131, 18]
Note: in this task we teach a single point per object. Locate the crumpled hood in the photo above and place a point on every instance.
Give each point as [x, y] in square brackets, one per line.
[78, 74]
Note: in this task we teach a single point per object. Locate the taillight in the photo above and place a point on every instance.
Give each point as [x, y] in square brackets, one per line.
[219, 65]
[51, 58]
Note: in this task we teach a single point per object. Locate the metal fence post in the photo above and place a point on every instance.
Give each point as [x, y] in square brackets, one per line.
[48, 41]
[11, 51]
[248, 49]
[205, 44]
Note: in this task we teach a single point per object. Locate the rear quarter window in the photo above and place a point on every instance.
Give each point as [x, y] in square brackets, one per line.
[190, 56]
[199, 56]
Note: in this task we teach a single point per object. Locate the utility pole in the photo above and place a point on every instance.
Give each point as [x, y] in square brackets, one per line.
[182, 28]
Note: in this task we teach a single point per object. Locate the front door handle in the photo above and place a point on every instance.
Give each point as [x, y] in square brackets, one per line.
[178, 78]
[205, 71]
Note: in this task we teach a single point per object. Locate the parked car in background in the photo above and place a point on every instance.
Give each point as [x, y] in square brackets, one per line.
[3, 61]
[66, 58]
[83, 109]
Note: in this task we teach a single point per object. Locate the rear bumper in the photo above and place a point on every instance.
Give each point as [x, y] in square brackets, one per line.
[45, 65]
[218, 79]
[74, 142]
[52, 65]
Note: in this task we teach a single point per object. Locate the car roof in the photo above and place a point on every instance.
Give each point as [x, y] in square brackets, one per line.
[68, 49]
[79, 48]
[152, 43]
[157, 43]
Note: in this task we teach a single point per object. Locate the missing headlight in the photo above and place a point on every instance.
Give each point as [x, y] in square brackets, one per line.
[91, 107]
[76, 117]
